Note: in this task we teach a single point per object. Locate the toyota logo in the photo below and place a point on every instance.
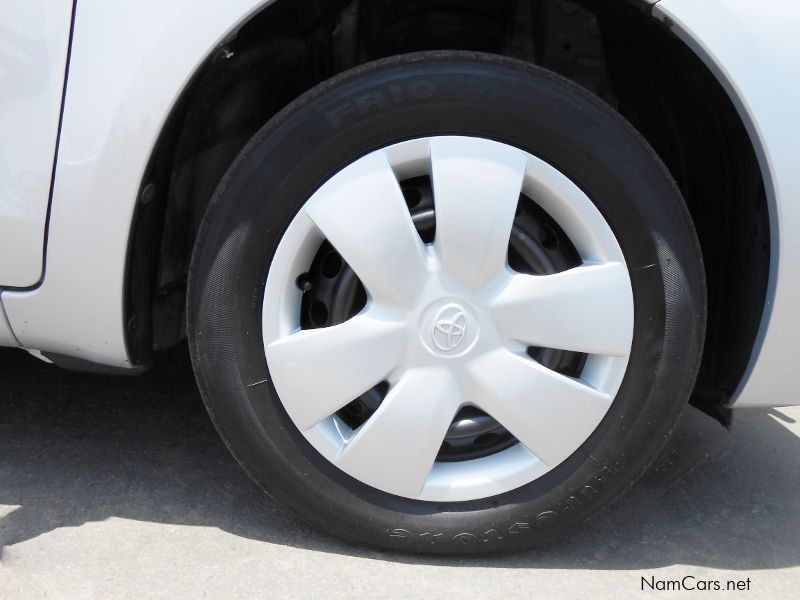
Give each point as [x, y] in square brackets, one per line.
[449, 329]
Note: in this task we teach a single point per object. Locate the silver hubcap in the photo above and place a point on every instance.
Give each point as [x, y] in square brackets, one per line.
[447, 324]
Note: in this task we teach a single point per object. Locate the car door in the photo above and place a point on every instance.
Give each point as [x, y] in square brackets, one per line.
[34, 45]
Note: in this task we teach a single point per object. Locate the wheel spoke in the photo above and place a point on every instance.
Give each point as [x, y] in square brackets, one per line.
[476, 186]
[318, 371]
[395, 449]
[550, 414]
[362, 212]
[586, 309]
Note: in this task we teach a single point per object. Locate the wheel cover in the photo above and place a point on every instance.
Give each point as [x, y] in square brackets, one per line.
[448, 324]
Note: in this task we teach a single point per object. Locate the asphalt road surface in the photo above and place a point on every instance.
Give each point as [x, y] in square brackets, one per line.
[119, 488]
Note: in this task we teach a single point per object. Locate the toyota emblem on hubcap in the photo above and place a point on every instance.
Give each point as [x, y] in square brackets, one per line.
[449, 329]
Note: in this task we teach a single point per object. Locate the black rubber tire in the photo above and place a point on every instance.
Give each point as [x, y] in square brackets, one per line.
[420, 95]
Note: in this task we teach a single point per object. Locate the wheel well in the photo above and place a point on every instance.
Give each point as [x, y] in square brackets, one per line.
[614, 49]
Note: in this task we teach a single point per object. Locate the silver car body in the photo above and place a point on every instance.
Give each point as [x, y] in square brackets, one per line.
[93, 85]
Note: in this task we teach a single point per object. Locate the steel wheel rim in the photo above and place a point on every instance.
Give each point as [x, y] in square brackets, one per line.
[447, 324]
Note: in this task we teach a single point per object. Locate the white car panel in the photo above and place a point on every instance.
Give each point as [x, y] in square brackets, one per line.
[126, 72]
[34, 39]
[738, 39]
[6, 335]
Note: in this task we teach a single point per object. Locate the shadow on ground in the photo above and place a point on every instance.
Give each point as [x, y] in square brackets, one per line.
[77, 448]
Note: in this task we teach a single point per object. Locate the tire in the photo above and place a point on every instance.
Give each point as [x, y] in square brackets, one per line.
[433, 95]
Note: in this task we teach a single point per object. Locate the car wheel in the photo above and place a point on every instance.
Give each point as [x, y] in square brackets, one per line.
[446, 302]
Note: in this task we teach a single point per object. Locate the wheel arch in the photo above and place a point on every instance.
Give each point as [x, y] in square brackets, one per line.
[155, 278]
[126, 70]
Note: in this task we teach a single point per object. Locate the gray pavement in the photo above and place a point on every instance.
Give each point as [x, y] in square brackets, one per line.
[119, 488]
